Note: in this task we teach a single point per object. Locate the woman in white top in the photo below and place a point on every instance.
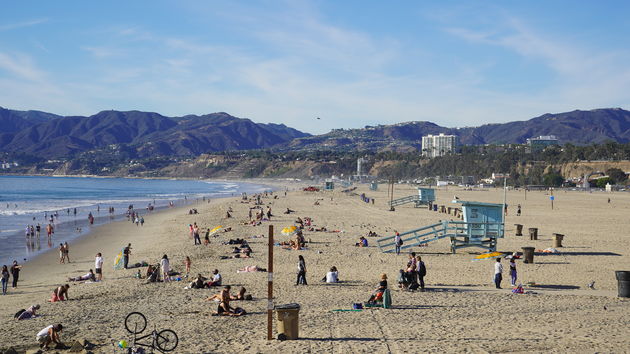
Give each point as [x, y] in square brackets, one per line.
[166, 267]
[333, 275]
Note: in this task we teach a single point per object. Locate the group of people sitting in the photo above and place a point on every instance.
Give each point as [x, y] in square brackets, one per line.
[201, 282]
[413, 276]
[224, 298]
[332, 276]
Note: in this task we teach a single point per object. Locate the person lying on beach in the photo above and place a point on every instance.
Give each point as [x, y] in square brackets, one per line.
[250, 269]
[60, 293]
[289, 211]
[89, 276]
[332, 276]
[28, 313]
[378, 293]
[240, 255]
[241, 295]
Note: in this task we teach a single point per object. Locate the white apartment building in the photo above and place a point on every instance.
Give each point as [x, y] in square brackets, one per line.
[439, 145]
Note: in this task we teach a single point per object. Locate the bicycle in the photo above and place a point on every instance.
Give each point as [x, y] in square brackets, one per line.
[164, 341]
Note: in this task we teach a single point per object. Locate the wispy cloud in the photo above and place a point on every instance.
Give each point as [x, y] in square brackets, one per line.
[20, 66]
[16, 25]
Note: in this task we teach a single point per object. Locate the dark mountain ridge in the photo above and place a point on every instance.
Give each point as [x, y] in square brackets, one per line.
[148, 133]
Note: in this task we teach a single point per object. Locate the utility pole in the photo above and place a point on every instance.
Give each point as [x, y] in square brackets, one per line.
[270, 286]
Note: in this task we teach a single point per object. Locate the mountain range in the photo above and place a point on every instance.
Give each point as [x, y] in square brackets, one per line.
[149, 134]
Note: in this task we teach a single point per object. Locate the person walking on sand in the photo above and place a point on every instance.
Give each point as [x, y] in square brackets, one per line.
[15, 272]
[66, 251]
[513, 271]
[126, 254]
[98, 266]
[518, 210]
[398, 241]
[301, 275]
[196, 235]
[5, 279]
[62, 254]
[165, 268]
[498, 273]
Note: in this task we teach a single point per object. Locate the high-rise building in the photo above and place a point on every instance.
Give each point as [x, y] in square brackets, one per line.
[439, 145]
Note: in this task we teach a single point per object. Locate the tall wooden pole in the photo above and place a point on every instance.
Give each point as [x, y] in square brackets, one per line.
[270, 286]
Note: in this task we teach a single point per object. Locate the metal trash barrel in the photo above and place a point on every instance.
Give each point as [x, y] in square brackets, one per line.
[528, 254]
[557, 240]
[435, 206]
[288, 320]
[519, 229]
[623, 283]
[533, 233]
[442, 208]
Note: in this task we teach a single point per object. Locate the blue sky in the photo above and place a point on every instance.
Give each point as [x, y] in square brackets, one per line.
[352, 63]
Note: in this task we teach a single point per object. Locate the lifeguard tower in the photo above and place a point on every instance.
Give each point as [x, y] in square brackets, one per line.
[373, 186]
[329, 185]
[424, 197]
[482, 227]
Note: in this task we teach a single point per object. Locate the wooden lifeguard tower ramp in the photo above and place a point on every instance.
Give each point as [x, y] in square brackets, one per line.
[424, 197]
[482, 227]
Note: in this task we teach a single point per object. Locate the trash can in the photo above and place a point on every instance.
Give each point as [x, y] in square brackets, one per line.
[435, 207]
[533, 233]
[288, 319]
[623, 283]
[557, 240]
[519, 229]
[430, 206]
[442, 209]
[528, 254]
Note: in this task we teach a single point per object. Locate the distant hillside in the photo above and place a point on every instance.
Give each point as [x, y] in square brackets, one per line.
[577, 127]
[147, 134]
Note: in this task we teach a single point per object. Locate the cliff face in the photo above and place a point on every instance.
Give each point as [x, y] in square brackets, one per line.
[579, 169]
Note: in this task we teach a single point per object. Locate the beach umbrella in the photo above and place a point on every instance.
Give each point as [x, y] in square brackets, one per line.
[288, 230]
[216, 229]
[488, 255]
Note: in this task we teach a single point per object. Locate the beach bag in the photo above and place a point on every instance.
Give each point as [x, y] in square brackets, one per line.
[357, 306]
[400, 243]
[422, 269]
[17, 314]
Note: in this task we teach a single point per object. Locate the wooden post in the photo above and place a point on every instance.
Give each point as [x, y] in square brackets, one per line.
[270, 286]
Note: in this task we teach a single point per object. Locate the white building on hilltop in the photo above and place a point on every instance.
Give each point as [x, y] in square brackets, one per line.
[439, 145]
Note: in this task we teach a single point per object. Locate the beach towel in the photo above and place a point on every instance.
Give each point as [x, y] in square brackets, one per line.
[118, 261]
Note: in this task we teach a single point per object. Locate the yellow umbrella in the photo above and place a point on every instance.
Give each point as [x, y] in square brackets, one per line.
[216, 229]
[488, 256]
[288, 230]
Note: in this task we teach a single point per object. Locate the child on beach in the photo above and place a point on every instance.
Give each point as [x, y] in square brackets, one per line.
[187, 264]
[98, 264]
[513, 271]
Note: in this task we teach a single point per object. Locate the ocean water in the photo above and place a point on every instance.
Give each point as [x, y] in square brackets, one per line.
[26, 200]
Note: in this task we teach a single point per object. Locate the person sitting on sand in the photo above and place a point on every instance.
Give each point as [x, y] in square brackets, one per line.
[332, 276]
[241, 295]
[363, 242]
[60, 293]
[29, 313]
[378, 293]
[216, 279]
[49, 335]
[199, 282]
[228, 215]
[88, 276]
[224, 301]
[299, 222]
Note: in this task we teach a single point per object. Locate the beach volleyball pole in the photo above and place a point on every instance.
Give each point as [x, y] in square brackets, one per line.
[270, 286]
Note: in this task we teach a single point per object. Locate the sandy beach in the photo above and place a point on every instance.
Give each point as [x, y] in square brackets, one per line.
[461, 311]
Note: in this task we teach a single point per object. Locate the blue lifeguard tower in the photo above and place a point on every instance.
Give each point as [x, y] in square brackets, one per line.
[482, 227]
[329, 185]
[373, 186]
[424, 197]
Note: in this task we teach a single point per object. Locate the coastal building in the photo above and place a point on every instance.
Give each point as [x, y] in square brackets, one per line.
[439, 145]
[540, 143]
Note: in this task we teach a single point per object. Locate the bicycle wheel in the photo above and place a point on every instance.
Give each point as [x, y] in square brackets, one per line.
[135, 323]
[166, 340]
